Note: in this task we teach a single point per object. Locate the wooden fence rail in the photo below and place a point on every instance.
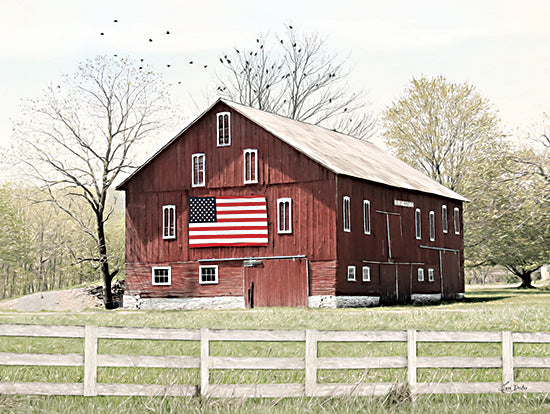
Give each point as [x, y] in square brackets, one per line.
[310, 363]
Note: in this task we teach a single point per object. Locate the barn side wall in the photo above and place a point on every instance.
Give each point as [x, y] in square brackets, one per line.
[395, 260]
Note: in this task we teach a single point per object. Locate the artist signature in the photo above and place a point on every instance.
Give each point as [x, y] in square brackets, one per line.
[507, 387]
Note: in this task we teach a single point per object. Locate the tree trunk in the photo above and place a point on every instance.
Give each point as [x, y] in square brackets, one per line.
[104, 264]
[525, 281]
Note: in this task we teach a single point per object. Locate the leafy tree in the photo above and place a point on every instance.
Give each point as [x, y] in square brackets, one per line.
[14, 243]
[507, 219]
[442, 129]
[295, 75]
[80, 136]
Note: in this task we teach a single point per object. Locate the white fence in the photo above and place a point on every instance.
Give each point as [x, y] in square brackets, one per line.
[310, 362]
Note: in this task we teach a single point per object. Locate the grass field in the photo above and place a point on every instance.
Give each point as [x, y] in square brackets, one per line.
[482, 310]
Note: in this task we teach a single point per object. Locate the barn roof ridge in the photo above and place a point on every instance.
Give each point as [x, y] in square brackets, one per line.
[340, 153]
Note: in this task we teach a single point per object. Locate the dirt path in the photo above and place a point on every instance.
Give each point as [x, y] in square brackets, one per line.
[73, 300]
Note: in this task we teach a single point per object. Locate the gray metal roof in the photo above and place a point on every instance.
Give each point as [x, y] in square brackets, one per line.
[343, 154]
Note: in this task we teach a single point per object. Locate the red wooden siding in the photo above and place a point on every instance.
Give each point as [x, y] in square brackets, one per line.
[185, 281]
[357, 248]
[317, 224]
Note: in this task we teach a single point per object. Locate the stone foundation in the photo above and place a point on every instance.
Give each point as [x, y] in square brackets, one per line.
[223, 302]
[330, 301]
[425, 297]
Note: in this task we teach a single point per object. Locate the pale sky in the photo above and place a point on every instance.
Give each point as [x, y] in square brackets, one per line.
[502, 47]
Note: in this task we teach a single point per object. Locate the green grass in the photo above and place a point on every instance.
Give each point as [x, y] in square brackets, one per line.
[482, 310]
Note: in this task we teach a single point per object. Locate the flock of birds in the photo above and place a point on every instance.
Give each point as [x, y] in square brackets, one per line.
[150, 40]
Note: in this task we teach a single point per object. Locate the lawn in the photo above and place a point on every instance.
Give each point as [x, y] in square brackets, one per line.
[482, 310]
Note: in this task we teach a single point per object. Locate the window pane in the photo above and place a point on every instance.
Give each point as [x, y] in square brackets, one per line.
[417, 223]
[444, 219]
[457, 220]
[284, 215]
[366, 216]
[347, 215]
[432, 225]
[198, 169]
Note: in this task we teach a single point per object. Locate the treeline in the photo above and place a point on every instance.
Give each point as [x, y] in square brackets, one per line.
[42, 248]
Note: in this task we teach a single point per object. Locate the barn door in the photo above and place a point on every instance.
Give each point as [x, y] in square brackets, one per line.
[395, 283]
[278, 282]
[403, 283]
[450, 274]
[388, 283]
[393, 242]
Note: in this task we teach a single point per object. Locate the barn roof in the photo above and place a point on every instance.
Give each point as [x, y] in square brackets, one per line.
[340, 153]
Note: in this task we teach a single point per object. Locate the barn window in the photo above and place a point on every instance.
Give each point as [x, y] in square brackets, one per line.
[366, 216]
[250, 166]
[169, 222]
[162, 275]
[444, 219]
[351, 274]
[457, 220]
[199, 167]
[432, 225]
[208, 275]
[420, 275]
[347, 214]
[284, 215]
[431, 275]
[417, 223]
[224, 129]
[366, 274]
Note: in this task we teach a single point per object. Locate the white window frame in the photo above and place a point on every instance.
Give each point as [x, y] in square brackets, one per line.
[168, 230]
[431, 275]
[366, 217]
[347, 213]
[365, 271]
[418, 223]
[155, 268]
[432, 225]
[196, 159]
[352, 277]
[282, 222]
[444, 219]
[420, 274]
[456, 220]
[249, 167]
[208, 282]
[222, 142]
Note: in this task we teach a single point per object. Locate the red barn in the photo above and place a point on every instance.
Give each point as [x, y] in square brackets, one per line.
[247, 208]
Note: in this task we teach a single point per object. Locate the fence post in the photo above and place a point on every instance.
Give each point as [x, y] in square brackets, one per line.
[411, 359]
[311, 363]
[507, 361]
[90, 360]
[205, 361]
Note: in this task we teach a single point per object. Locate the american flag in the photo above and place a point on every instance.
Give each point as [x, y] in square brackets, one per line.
[227, 221]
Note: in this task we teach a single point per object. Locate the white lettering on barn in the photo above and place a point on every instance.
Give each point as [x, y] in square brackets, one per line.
[402, 203]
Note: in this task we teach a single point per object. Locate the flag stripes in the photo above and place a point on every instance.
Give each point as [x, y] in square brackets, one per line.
[227, 221]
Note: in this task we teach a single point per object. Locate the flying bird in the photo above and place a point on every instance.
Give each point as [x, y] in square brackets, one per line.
[168, 32]
[102, 34]
[191, 62]
[168, 65]
[290, 27]
[205, 66]
[115, 21]
[150, 40]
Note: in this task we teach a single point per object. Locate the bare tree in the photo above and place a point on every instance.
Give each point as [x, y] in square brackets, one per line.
[79, 137]
[295, 75]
